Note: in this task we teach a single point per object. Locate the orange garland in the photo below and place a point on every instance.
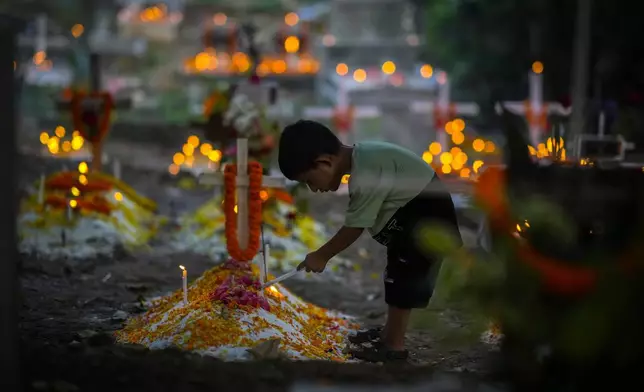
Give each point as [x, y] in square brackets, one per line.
[284, 196]
[558, 277]
[67, 180]
[254, 211]
[539, 118]
[96, 205]
[343, 119]
[77, 114]
[210, 103]
[442, 116]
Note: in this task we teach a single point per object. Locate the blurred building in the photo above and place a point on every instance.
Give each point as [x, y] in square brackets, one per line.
[372, 45]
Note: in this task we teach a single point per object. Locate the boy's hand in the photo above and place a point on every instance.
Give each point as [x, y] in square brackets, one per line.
[313, 262]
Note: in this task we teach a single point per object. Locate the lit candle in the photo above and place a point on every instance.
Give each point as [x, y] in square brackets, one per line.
[69, 212]
[184, 279]
[41, 190]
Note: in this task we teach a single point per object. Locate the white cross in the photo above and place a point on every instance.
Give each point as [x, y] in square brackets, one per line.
[41, 33]
[537, 106]
[258, 94]
[342, 106]
[443, 105]
[359, 112]
[242, 183]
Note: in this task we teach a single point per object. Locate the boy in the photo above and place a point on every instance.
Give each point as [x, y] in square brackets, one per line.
[392, 192]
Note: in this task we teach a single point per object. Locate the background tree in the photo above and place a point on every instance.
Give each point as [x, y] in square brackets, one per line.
[488, 46]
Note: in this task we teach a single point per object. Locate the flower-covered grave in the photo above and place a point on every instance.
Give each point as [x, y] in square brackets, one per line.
[80, 215]
[228, 314]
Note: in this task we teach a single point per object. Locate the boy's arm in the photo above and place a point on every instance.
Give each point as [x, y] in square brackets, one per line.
[317, 261]
[340, 241]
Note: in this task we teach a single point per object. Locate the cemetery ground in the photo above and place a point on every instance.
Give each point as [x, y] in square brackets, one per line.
[70, 310]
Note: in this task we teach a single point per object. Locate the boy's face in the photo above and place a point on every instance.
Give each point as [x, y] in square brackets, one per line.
[324, 176]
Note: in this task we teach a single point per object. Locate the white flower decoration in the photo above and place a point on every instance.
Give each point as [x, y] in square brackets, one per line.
[242, 113]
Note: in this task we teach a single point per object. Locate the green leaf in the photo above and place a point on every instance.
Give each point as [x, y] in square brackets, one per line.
[584, 330]
[436, 239]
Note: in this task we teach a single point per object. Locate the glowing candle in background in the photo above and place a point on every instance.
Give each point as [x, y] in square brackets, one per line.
[184, 279]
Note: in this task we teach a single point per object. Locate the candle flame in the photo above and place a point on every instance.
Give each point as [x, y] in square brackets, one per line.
[274, 292]
[182, 267]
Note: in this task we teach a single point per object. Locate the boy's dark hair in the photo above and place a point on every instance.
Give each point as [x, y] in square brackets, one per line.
[301, 144]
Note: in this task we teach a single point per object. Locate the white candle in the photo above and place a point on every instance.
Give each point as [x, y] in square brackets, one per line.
[41, 190]
[69, 212]
[184, 279]
[117, 169]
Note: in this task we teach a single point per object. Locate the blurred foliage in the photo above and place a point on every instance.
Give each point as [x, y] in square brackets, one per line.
[592, 333]
[629, 120]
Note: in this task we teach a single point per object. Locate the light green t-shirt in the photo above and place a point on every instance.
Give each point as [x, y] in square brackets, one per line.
[384, 177]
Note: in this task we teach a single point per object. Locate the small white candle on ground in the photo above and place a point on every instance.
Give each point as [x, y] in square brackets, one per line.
[41, 190]
[116, 167]
[184, 280]
[69, 211]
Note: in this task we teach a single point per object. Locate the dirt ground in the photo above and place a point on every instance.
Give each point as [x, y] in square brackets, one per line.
[69, 311]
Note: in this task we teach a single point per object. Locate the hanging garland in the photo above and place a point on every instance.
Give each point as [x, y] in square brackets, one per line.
[83, 118]
[216, 102]
[343, 119]
[539, 119]
[95, 204]
[558, 277]
[441, 117]
[67, 180]
[254, 211]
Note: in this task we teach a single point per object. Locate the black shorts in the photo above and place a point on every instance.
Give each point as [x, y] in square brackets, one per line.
[411, 272]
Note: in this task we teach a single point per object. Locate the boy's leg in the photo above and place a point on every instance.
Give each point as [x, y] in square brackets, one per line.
[401, 295]
[395, 328]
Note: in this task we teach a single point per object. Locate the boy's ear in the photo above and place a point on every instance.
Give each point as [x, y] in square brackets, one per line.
[324, 159]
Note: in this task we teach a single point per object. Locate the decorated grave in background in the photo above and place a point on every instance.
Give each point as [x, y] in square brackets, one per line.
[81, 214]
[84, 213]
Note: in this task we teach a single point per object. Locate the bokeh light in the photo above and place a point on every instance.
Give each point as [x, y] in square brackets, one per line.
[435, 148]
[342, 69]
[359, 75]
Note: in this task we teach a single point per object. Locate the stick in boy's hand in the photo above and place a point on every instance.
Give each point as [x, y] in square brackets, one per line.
[281, 278]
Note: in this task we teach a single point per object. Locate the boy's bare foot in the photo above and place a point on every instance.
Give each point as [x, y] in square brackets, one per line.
[371, 335]
[380, 353]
